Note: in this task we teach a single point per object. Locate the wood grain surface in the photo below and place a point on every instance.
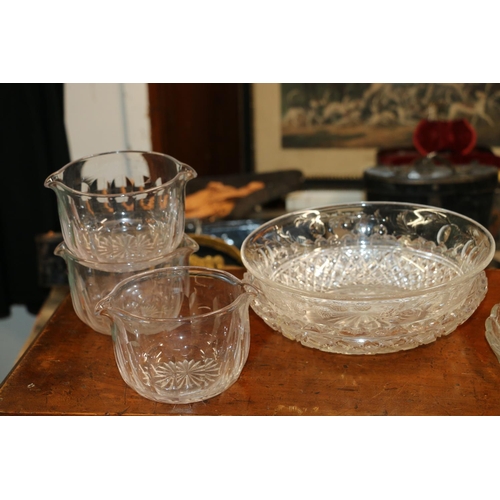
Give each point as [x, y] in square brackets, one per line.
[70, 370]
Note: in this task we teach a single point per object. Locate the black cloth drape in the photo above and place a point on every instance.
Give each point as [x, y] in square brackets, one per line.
[34, 144]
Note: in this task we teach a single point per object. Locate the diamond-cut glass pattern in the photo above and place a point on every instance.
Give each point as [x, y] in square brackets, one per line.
[370, 278]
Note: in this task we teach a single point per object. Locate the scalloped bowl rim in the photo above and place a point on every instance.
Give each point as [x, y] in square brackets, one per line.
[54, 177]
[360, 297]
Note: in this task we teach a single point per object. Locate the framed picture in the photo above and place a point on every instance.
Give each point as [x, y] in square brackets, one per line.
[335, 129]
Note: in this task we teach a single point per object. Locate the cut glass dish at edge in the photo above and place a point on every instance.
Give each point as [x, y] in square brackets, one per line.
[493, 330]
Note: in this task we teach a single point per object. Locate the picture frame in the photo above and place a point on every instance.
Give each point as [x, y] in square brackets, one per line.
[295, 125]
[269, 154]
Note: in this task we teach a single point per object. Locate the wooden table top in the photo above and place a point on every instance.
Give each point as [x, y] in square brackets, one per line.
[70, 370]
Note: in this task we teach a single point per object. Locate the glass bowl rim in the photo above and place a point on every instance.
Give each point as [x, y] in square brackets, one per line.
[214, 272]
[52, 178]
[360, 297]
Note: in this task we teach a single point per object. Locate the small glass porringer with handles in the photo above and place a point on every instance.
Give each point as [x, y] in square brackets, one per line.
[180, 334]
[121, 206]
[88, 282]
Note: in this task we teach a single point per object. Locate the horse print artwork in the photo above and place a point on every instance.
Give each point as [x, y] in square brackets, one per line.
[365, 115]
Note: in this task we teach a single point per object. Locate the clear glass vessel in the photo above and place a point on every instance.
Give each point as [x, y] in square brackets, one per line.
[180, 335]
[90, 282]
[121, 206]
[493, 330]
[369, 277]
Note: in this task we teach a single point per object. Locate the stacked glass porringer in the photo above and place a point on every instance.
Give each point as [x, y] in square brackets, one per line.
[121, 213]
[180, 333]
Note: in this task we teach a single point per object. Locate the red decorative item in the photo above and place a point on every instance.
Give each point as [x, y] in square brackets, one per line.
[434, 136]
[454, 140]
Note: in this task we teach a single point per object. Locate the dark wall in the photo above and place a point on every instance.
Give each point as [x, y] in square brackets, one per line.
[207, 126]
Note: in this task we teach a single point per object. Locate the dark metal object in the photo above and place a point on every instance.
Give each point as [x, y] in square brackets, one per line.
[466, 189]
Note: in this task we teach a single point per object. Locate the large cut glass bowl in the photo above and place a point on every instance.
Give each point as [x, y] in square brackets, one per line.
[367, 277]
